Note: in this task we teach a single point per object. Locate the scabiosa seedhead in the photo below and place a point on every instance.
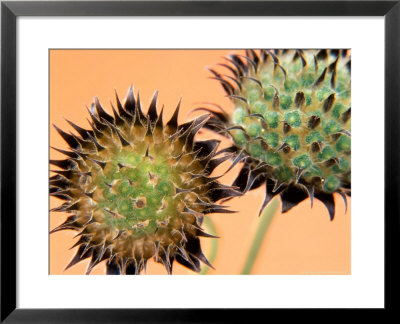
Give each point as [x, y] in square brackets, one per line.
[290, 124]
[137, 189]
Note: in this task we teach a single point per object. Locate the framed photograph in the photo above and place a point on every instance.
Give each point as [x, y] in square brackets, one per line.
[160, 159]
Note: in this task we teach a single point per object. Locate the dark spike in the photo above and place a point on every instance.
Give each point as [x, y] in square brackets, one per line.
[348, 65]
[250, 61]
[313, 122]
[333, 65]
[329, 102]
[315, 64]
[255, 180]
[242, 178]
[310, 191]
[239, 98]
[234, 72]
[321, 79]
[96, 143]
[93, 261]
[303, 59]
[336, 136]
[118, 120]
[235, 80]
[226, 85]
[152, 112]
[69, 223]
[183, 252]
[239, 70]
[133, 268]
[199, 232]
[228, 88]
[286, 127]
[222, 192]
[61, 208]
[123, 141]
[332, 162]
[148, 128]
[61, 183]
[82, 132]
[63, 164]
[333, 80]
[197, 125]
[279, 186]
[156, 250]
[205, 147]
[335, 52]
[296, 56]
[68, 174]
[130, 102]
[315, 147]
[100, 111]
[346, 115]
[173, 122]
[192, 127]
[283, 70]
[71, 141]
[322, 54]
[83, 144]
[80, 255]
[274, 57]
[99, 163]
[165, 260]
[299, 174]
[235, 59]
[291, 197]
[193, 264]
[159, 123]
[96, 122]
[300, 100]
[89, 194]
[139, 111]
[327, 200]
[218, 210]
[82, 240]
[70, 154]
[54, 192]
[276, 101]
[221, 114]
[76, 206]
[345, 201]
[269, 185]
[254, 80]
[113, 268]
[55, 178]
[254, 56]
[147, 155]
[212, 164]
[239, 157]
[122, 112]
[193, 247]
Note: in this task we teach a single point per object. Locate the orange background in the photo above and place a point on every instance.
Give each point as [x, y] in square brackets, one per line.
[302, 241]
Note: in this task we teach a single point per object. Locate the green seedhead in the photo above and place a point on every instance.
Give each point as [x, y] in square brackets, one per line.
[137, 189]
[291, 123]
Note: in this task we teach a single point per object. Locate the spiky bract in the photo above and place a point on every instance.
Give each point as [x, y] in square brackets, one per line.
[290, 124]
[137, 189]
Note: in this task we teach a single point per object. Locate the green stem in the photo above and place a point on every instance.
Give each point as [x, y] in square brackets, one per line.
[209, 224]
[262, 228]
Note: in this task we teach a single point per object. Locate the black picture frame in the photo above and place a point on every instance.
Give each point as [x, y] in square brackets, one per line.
[11, 10]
